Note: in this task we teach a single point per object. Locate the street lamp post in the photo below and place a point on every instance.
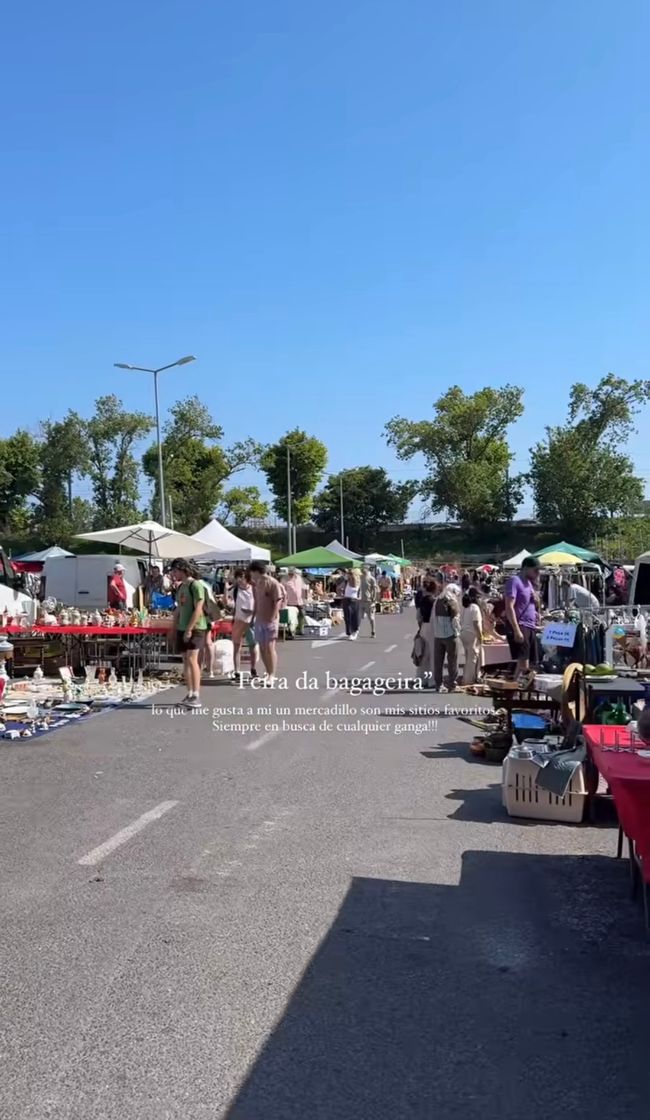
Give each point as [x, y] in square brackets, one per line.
[145, 369]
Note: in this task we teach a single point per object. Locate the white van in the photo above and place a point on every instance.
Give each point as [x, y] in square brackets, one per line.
[82, 581]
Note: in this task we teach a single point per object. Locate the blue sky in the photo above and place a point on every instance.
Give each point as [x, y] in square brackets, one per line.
[340, 208]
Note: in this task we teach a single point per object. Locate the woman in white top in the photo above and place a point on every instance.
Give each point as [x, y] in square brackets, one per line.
[351, 605]
[244, 604]
[471, 635]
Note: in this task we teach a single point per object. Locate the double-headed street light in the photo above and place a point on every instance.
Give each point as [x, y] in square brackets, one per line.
[161, 369]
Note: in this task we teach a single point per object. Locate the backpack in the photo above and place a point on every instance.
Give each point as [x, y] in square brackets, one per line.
[211, 608]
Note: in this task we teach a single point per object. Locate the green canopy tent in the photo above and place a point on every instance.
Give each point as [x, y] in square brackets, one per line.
[399, 560]
[317, 558]
[582, 554]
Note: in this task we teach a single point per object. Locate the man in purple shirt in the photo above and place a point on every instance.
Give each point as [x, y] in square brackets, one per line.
[521, 614]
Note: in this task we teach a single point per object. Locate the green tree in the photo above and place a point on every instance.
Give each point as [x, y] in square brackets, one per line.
[240, 504]
[63, 456]
[195, 464]
[112, 435]
[466, 453]
[370, 501]
[20, 476]
[580, 475]
[308, 459]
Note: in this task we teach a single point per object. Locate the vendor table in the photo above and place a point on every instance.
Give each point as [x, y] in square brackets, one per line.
[140, 645]
[496, 653]
[514, 700]
[616, 757]
[624, 689]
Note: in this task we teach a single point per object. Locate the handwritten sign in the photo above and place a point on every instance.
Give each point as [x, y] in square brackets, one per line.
[559, 634]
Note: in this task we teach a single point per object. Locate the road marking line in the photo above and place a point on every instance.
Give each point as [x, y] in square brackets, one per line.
[265, 738]
[125, 834]
[368, 665]
[389, 649]
[328, 695]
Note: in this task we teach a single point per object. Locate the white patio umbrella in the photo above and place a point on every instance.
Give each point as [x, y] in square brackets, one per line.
[152, 538]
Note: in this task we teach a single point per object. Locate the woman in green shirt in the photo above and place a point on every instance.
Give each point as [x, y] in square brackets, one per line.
[190, 625]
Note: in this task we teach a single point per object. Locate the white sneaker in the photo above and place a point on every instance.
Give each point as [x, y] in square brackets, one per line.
[353, 637]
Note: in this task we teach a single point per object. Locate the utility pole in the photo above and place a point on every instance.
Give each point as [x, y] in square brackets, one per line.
[341, 500]
[289, 526]
[161, 369]
[508, 509]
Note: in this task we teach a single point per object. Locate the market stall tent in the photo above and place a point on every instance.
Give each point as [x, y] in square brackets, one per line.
[517, 561]
[573, 550]
[341, 550]
[226, 548]
[317, 558]
[43, 555]
[640, 586]
[558, 560]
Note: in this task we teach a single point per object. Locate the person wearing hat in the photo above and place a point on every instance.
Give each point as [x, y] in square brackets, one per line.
[117, 589]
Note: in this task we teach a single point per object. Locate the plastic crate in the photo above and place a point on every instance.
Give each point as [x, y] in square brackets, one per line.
[522, 797]
[317, 632]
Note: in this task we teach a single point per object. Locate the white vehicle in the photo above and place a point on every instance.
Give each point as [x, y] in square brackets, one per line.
[16, 602]
[82, 581]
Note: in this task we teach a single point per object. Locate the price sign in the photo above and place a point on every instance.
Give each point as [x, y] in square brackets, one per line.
[559, 634]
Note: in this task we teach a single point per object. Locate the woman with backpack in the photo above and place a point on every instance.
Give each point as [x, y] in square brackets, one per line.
[190, 625]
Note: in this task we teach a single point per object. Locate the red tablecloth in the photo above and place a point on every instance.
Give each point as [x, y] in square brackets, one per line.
[219, 628]
[628, 778]
[91, 631]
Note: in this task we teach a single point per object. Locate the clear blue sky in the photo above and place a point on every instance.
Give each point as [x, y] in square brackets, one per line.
[341, 208]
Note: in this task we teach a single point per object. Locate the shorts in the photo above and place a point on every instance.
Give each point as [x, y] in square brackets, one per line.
[197, 640]
[525, 649]
[266, 632]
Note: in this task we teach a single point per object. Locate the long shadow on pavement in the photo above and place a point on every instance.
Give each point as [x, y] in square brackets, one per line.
[523, 991]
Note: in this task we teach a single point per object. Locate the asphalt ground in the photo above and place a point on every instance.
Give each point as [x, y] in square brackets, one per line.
[310, 916]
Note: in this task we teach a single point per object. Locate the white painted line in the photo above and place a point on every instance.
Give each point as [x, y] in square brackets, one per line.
[368, 665]
[329, 694]
[389, 649]
[318, 643]
[257, 743]
[125, 834]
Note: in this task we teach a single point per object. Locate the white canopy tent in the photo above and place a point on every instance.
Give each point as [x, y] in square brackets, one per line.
[341, 550]
[516, 561]
[376, 558]
[640, 586]
[149, 537]
[226, 548]
[45, 554]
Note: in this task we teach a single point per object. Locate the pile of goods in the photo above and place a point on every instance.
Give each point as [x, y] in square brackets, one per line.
[31, 707]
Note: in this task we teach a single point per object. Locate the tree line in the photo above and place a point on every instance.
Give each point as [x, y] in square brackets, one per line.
[579, 474]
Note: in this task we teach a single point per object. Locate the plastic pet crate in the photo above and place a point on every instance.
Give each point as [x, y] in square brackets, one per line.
[522, 797]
